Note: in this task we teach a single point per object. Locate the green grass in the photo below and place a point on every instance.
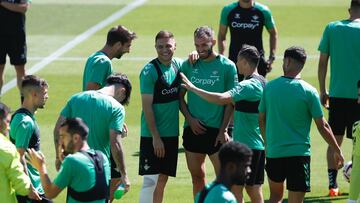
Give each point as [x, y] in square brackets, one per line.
[51, 24]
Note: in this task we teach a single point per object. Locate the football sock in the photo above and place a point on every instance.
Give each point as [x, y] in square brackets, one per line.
[332, 174]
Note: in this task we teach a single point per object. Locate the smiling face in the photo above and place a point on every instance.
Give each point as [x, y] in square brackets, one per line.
[165, 48]
[204, 46]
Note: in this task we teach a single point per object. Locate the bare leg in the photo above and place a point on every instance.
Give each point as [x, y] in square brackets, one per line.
[330, 157]
[196, 166]
[296, 197]
[20, 73]
[160, 187]
[276, 191]
[255, 193]
[214, 158]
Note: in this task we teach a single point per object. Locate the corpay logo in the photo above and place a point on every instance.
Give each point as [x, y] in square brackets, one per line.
[202, 81]
[169, 91]
[251, 26]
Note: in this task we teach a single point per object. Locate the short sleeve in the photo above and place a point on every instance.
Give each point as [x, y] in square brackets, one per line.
[24, 131]
[101, 69]
[117, 119]
[324, 46]
[262, 105]
[315, 106]
[65, 174]
[147, 81]
[231, 77]
[223, 16]
[66, 111]
[239, 92]
[185, 67]
[269, 19]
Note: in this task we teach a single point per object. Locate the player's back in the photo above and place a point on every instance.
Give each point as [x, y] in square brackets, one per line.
[98, 111]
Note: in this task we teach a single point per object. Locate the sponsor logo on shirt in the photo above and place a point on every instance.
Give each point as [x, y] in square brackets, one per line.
[237, 15]
[195, 80]
[169, 91]
[254, 22]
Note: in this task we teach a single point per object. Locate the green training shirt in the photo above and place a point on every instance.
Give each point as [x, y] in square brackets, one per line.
[218, 75]
[341, 41]
[246, 121]
[166, 114]
[78, 172]
[219, 194]
[24, 132]
[101, 113]
[289, 105]
[98, 67]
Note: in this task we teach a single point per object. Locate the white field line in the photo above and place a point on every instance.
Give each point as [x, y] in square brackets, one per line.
[77, 40]
[132, 58]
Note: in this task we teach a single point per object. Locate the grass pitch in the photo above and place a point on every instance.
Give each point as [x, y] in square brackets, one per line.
[51, 24]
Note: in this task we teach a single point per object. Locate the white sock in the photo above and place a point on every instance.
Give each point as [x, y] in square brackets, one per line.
[147, 190]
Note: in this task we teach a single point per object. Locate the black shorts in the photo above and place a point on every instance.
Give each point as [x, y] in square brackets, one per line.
[256, 177]
[203, 143]
[115, 173]
[25, 199]
[343, 113]
[15, 47]
[296, 171]
[150, 164]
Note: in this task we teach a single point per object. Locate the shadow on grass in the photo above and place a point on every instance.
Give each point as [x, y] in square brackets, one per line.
[180, 150]
[325, 199]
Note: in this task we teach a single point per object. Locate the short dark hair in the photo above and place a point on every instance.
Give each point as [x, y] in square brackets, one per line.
[121, 79]
[32, 82]
[297, 53]
[76, 126]
[204, 31]
[250, 54]
[355, 4]
[234, 152]
[4, 111]
[119, 34]
[163, 34]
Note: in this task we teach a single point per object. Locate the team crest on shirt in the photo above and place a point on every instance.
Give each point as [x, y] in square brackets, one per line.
[237, 15]
[195, 71]
[255, 19]
[215, 75]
